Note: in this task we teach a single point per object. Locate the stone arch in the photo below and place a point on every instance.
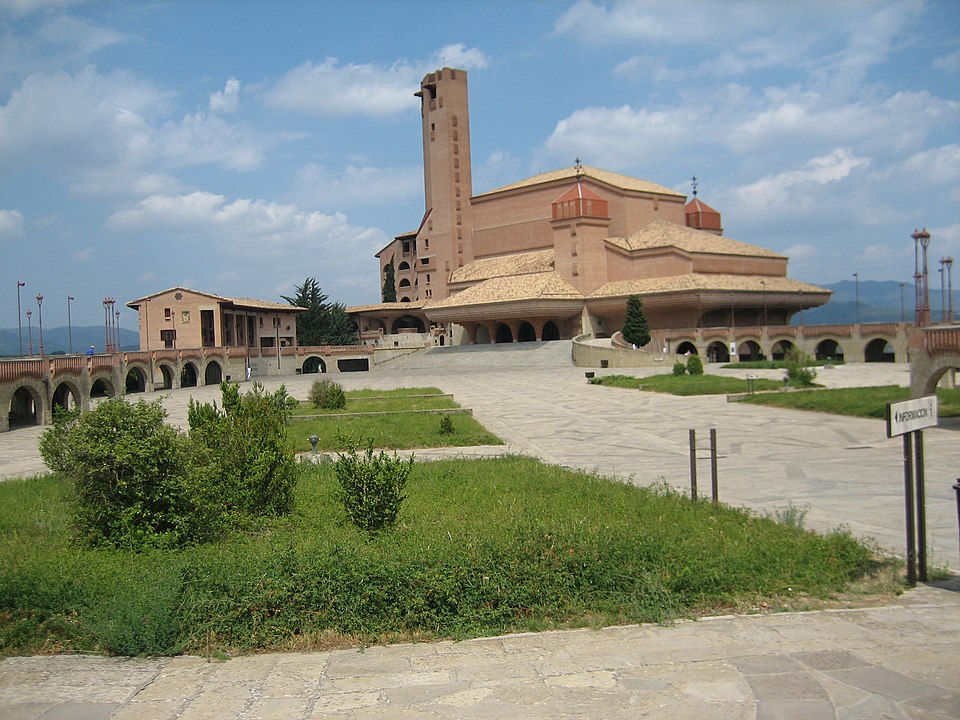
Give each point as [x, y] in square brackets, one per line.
[167, 375]
[66, 396]
[781, 349]
[313, 364]
[929, 374]
[526, 333]
[829, 349]
[550, 331]
[102, 388]
[879, 350]
[406, 322]
[25, 408]
[504, 334]
[483, 335]
[718, 351]
[188, 375]
[405, 299]
[749, 350]
[404, 283]
[212, 373]
[403, 265]
[136, 381]
[686, 348]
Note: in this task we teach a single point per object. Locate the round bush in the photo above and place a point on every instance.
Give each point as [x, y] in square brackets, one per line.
[327, 395]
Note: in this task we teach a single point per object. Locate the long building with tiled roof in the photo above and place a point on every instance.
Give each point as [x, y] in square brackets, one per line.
[557, 255]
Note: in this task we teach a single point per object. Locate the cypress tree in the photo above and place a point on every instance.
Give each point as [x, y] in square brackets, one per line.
[636, 330]
[389, 292]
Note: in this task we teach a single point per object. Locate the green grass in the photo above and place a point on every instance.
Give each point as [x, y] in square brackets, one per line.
[403, 429]
[869, 402]
[687, 384]
[406, 399]
[482, 547]
[776, 364]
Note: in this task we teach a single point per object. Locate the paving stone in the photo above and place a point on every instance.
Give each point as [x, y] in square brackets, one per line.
[887, 683]
[795, 710]
[786, 686]
[79, 711]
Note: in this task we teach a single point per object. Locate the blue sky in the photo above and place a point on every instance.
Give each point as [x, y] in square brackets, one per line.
[239, 147]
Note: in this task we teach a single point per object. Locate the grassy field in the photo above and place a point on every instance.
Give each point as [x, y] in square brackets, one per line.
[687, 384]
[406, 427]
[482, 547]
[857, 402]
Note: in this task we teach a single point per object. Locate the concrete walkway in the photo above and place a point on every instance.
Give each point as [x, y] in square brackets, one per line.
[899, 661]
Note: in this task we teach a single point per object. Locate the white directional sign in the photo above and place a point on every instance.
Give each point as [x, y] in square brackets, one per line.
[910, 415]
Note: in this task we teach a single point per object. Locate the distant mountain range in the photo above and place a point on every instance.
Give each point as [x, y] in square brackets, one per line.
[880, 301]
[57, 340]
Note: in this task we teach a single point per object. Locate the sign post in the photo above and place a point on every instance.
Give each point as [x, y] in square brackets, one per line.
[908, 418]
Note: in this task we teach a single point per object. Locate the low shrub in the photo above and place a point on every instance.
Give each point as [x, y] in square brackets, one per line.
[327, 395]
[138, 482]
[371, 486]
[799, 370]
[679, 369]
[446, 425]
[694, 365]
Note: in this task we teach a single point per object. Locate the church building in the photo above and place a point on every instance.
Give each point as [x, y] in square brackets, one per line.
[557, 255]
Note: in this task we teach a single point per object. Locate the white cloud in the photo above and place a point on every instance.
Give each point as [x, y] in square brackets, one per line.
[796, 192]
[11, 223]
[617, 137]
[242, 227]
[228, 100]
[460, 56]
[935, 165]
[364, 185]
[334, 89]
[949, 62]
[801, 251]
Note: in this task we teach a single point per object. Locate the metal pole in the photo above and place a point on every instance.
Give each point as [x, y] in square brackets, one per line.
[943, 295]
[19, 316]
[856, 282]
[921, 509]
[106, 325]
[693, 464]
[902, 317]
[30, 332]
[70, 322]
[40, 321]
[908, 506]
[956, 489]
[714, 485]
[118, 331]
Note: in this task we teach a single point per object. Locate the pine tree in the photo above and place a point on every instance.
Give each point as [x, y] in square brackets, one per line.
[389, 292]
[323, 323]
[636, 330]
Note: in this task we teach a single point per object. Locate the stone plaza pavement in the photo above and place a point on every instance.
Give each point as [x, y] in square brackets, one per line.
[897, 661]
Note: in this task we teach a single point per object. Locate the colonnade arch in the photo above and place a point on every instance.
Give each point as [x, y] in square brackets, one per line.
[686, 348]
[136, 381]
[718, 351]
[313, 364]
[829, 349]
[212, 373]
[781, 349]
[188, 375]
[101, 388]
[25, 407]
[66, 396]
[749, 350]
[879, 350]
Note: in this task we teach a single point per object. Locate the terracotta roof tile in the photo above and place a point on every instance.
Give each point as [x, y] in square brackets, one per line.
[415, 305]
[503, 265]
[623, 182]
[530, 286]
[667, 234]
[705, 281]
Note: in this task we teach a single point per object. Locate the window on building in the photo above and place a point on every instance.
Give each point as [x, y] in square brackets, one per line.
[167, 313]
[169, 338]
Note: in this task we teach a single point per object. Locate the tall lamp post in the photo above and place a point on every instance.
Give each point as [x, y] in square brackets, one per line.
[40, 321]
[948, 261]
[116, 335]
[923, 289]
[943, 293]
[856, 282]
[30, 332]
[902, 317]
[19, 316]
[70, 299]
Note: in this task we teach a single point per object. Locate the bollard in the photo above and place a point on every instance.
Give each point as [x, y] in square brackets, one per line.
[313, 443]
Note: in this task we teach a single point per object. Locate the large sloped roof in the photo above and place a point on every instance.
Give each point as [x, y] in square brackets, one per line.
[707, 282]
[413, 305]
[661, 233]
[624, 182]
[530, 286]
[504, 265]
[249, 303]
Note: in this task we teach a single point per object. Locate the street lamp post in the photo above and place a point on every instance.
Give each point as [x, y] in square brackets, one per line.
[922, 237]
[902, 316]
[70, 298]
[948, 261]
[943, 294]
[856, 282]
[19, 316]
[30, 332]
[116, 336]
[40, 321]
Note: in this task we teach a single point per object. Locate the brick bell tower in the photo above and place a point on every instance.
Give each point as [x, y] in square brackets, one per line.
[444, 239]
